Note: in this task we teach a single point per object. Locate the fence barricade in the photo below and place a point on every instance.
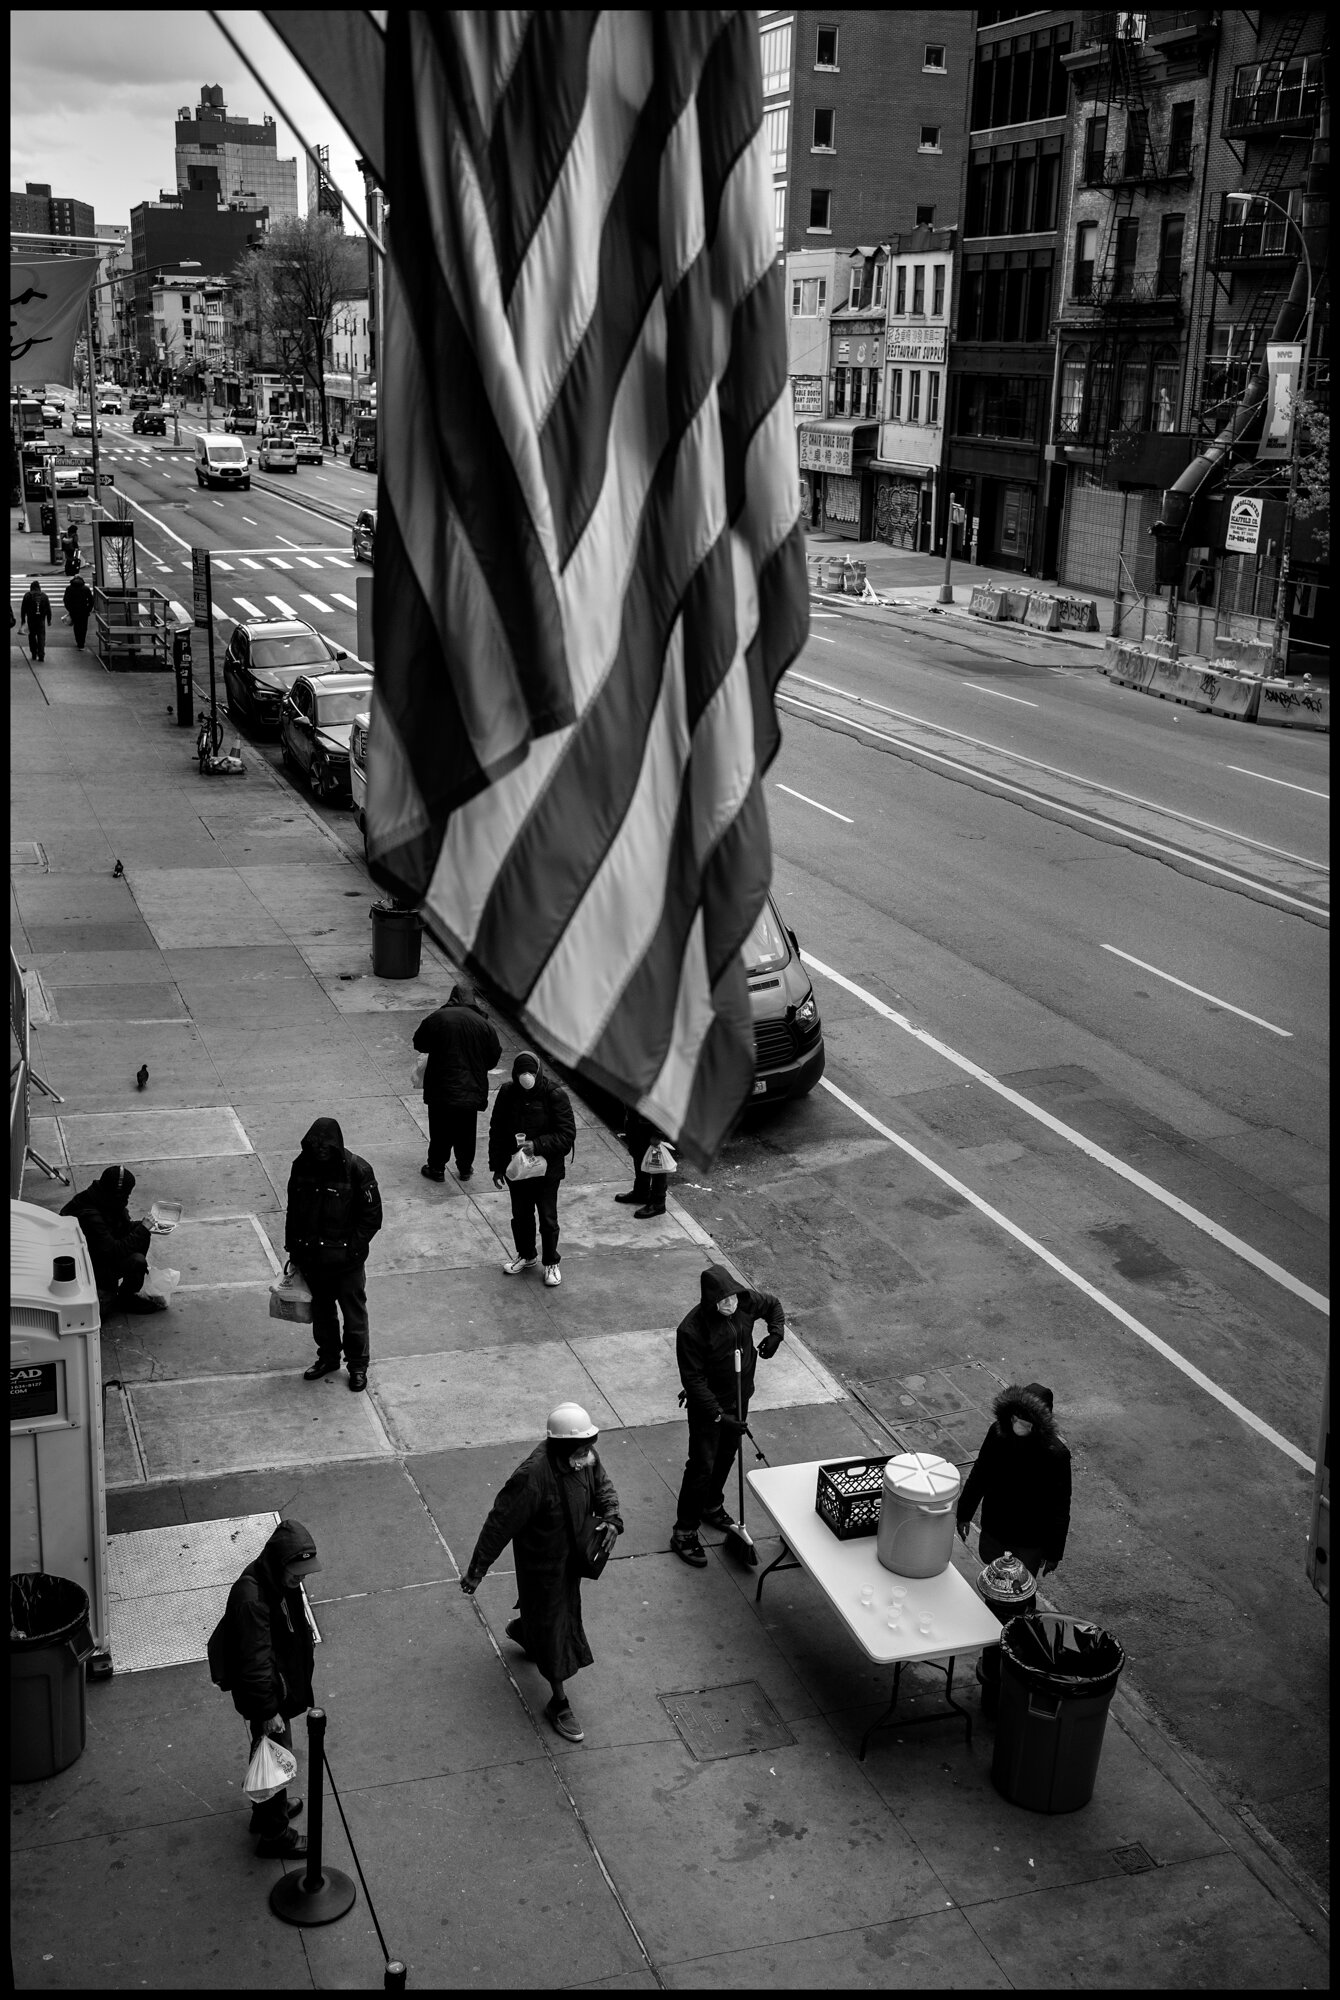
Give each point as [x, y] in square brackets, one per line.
[1294, 704]
[985, 601]
[853, 578]
[1043, 613]
[1129, 665]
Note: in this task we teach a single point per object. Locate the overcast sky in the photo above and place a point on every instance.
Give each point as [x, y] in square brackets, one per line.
[94, 98]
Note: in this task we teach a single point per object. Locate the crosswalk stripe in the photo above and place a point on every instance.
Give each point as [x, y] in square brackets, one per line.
[252, 565]
[252, 610]
[219, 563]
[279, 562]
[180, 609]
[340, 562]
[308, 561]
[285, 610]
[340, 598]
[308, 598]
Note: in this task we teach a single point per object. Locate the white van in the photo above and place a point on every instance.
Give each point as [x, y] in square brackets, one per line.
[221, 460]
[109, 401]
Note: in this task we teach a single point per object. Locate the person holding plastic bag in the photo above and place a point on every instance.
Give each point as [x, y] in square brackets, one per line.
[268, 1654]
[531, 1133]
[117, 1247]
[645, 1142]
[334, 1211]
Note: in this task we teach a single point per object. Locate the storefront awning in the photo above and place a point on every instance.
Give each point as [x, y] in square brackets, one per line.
[923, 472]
[834, 444]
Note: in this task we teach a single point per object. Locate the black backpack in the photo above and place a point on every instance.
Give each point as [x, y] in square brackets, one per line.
[219, 1653]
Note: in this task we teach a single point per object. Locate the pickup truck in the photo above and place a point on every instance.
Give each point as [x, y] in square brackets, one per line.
[240, 420]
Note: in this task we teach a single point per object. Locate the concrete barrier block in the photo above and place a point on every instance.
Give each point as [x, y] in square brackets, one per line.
[1077, 614]
[985, 601]
[1014, 604]
[1043, 613]
[1294, 704]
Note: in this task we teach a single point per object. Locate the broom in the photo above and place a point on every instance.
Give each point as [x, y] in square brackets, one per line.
[738, 1536]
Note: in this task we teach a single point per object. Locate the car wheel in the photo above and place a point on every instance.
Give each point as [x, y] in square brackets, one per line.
[321, 783]
[199, 480]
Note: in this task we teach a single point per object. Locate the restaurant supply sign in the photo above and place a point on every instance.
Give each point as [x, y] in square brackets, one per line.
[916, 343]
[807, 395]
[825, 451]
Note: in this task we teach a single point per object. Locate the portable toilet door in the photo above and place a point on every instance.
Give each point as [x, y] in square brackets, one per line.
[57, 1474]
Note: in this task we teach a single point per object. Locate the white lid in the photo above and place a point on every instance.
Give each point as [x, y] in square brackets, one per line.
[920, 1475]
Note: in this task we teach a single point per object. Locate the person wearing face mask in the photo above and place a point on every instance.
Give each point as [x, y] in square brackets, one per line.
[532, 1111]
[542, 1511]
[706, 1342]
[334, 1211]
[1021, 1482]
[266, 1653]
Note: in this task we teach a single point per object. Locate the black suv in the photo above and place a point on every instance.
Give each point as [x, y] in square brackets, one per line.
[149, 423]
[264, 658]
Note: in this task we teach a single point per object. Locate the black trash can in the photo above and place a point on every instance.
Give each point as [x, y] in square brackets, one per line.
[396, 941]
[49, 1641]
[1056, 1685]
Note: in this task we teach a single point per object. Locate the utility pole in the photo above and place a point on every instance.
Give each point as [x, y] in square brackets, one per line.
[947, 587]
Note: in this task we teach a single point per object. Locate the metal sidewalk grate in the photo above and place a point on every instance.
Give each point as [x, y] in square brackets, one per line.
[167, 1587]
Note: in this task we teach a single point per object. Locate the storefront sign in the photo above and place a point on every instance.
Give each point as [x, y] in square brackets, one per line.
[825, 451]
[1284, 361]
[916, 343]
[807, 395]
[1244, 525]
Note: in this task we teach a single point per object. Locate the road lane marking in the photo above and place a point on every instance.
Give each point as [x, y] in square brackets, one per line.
[823, 638]
[170, 532]
[340, 598]
[977, 689]
[247, 518]
[822, 614]
[180, 610]
[1199, 992]
[252, 610]
[279, 562]
[287, 540]
[251, 562]
[308, 598]
[1082, 1284]
[814, 802]
[217, 562]
[340, 562]
[1244, 772]
[1055, 771]
[286, 610]
[217, 503]
[1098, 1154]
[307, 561]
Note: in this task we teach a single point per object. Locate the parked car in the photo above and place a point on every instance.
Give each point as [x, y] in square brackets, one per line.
[307, 445]
[263, 659]
[315, 723]
[358, 766]
[221, 461]
[240, 420]
[85, 425]
[788, 1034]
[53, 414]
[149, 423]
[276, 454]
[365, 534]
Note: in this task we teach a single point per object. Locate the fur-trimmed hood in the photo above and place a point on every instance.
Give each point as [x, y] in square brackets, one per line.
[1033, 1402]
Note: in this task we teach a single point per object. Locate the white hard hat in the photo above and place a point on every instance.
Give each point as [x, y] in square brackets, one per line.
[569, 1422]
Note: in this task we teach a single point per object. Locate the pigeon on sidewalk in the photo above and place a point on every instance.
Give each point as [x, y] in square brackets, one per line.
[118, 870]
[141, 1076]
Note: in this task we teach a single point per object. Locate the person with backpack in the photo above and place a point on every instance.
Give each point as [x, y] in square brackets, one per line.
[334, 1211]
[532, 1116]
[262, 1652]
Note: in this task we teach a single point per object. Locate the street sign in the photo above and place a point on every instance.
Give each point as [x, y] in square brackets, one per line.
[86, 477]
[1244, 525]
[200, 586]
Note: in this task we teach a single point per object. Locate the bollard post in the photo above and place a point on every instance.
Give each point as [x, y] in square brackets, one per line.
[319, 1895]
[393, 1980]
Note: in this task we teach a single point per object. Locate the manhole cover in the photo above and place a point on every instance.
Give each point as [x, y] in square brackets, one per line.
[726, 1721]
[1132, 1860]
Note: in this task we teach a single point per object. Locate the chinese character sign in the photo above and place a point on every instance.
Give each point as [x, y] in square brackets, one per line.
[825, 451]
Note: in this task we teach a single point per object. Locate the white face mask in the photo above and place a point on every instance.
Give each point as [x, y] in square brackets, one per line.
[1021, 1427]
[527, 1079]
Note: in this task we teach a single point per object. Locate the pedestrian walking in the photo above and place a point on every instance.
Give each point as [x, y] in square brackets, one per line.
[532, 1112]
[559, 1502]
[118, 1248]
[78, 605]
[334, 1211]
[69, 542]
[263, 1653]
[462, 1046]
[1021, 1481]
[706, 1343]
[35, 613]
[647, 1194]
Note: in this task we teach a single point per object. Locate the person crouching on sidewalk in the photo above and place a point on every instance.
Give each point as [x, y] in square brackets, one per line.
[118, 1248]
[532, 1110]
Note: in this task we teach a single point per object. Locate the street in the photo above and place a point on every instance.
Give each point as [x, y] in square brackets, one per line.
[1069, 944]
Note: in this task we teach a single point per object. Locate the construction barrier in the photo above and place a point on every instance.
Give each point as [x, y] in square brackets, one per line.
[1043, 613]
[1077, 614]
[1128, 664]
[1232, 693]
[986, 602]
[1181, 681]
[853, 578]
[1293, 704]
[1014, 603]
[834, 566]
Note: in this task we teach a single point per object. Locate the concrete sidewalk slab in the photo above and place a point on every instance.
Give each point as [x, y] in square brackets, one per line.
[202, 906]
[197, 1429]
[921, 1954]
[145, 1005]
[202, 1131]
[433, 1402]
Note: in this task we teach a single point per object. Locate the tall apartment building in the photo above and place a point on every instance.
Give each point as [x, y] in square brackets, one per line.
[39, 211]
[194, 228]
[322, 198]
[245, 155]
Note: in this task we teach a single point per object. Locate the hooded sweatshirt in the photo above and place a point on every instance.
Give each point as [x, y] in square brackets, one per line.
[706, 1340]
[103, 1214]
[334, 1205]
[1022, 1484]
[543, 1113]
[462, 1047]
[270, 1642]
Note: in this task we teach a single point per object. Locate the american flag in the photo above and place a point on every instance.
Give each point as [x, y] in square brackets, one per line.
[590, 569]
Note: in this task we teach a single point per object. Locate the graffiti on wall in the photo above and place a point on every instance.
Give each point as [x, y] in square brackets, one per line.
[897, 512]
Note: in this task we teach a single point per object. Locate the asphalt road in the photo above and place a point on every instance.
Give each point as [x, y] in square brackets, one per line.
[1071, 952]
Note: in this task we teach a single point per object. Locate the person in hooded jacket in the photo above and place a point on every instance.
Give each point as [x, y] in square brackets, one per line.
[532, 1110]
[462, 1046]
[542, 1511]
[270, 1652]
[334, 1211]
[1021, 1481]
[706, 1342]
[117, 1247]
[78, 605]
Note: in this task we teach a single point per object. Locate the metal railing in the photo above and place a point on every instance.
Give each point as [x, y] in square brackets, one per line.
[1125, 166]
[1115, 289]
[1260, 240]
[22, 1080]
[1292, 103]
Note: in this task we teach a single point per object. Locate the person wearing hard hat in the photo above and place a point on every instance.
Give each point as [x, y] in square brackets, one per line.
[560, 1512]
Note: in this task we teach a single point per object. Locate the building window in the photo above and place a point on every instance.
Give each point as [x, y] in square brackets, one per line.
[776, 124]
[1002, 406]
[934, 57]
[914, 395]
[1019, 80]
[930, 139]
[778, 216]
[1128, 254]
[1180, 126]
[1170, 255]
[933, 397]
[896, 394]
[938, 290]
[825, 49]
[775, 50]
[877, 288]
[839, 391]
[1163, 390]
[824, 130]
[1095, 150]
[925, 214]
[809, 297]
[1086, 249]
[900, 290]
[1134, 390]
[918, 288]
[821, 208]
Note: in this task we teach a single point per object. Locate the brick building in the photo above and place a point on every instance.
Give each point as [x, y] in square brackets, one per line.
[245, 156]
[196, 228]
[39, 211]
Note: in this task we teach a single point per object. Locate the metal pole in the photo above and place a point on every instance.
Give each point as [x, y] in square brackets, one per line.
[1280, 644]
[92, 395]
[947, 588]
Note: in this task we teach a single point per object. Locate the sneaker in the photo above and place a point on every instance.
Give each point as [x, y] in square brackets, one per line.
[287, 1846]
[564, 1721]
[717, 1517]
[433, 1173]
[321, 1367]
[517, 1264]
[552, 1275]
[690, 1548]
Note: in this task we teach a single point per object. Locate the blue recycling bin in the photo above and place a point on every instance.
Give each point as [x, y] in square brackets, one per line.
[1057, 1679]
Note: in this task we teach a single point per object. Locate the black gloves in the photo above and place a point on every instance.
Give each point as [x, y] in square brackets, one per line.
[736, 1424]
[768, 1346]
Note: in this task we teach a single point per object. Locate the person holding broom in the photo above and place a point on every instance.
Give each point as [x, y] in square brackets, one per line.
[717, 1395]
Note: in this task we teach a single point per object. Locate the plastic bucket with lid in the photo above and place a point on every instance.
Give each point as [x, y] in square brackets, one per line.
[916, 1514]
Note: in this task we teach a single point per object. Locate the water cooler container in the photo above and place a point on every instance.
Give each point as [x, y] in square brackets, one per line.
[916, 1514]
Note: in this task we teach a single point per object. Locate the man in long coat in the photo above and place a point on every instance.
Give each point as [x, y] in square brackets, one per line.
[544, 1511]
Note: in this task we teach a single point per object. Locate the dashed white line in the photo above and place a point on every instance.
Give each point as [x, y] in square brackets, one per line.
[1199, 992]
[815, 803]
[285, 610]
[823, 638]
[340, 598]
[1244, 773]
[307, 561]
[977, 689]
[308, 598]
[247, 518]
[217, 562]
[279, 562]
[251, 562]
[340, 562]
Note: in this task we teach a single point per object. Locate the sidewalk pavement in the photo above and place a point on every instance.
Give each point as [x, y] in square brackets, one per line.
[233, 957]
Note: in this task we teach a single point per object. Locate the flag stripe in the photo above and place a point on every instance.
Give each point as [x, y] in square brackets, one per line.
[536, 122]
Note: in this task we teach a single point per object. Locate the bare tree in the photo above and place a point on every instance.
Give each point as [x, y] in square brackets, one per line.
[296, 276]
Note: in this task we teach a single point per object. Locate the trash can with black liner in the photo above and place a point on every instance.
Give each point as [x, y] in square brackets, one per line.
[49, 1642]
[1057, 1679]
[397, 941]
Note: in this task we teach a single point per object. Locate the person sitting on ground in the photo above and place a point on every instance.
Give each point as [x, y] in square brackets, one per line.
[117, 1246]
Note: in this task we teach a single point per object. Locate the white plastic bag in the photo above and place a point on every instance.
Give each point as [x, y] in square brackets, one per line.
[660, 1159]
[419, 1072]
[526, 1166]
[161, 1282]
[291, 1297]
[271, 1768]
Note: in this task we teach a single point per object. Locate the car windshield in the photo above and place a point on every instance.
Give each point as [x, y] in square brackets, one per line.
[299, 649]
[228, 454]
[766, 947]
[341, 706]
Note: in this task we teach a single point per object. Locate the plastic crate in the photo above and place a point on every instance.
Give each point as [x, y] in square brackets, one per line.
[849, 1496]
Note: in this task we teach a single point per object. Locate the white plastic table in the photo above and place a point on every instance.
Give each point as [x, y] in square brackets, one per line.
[960, 1621]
